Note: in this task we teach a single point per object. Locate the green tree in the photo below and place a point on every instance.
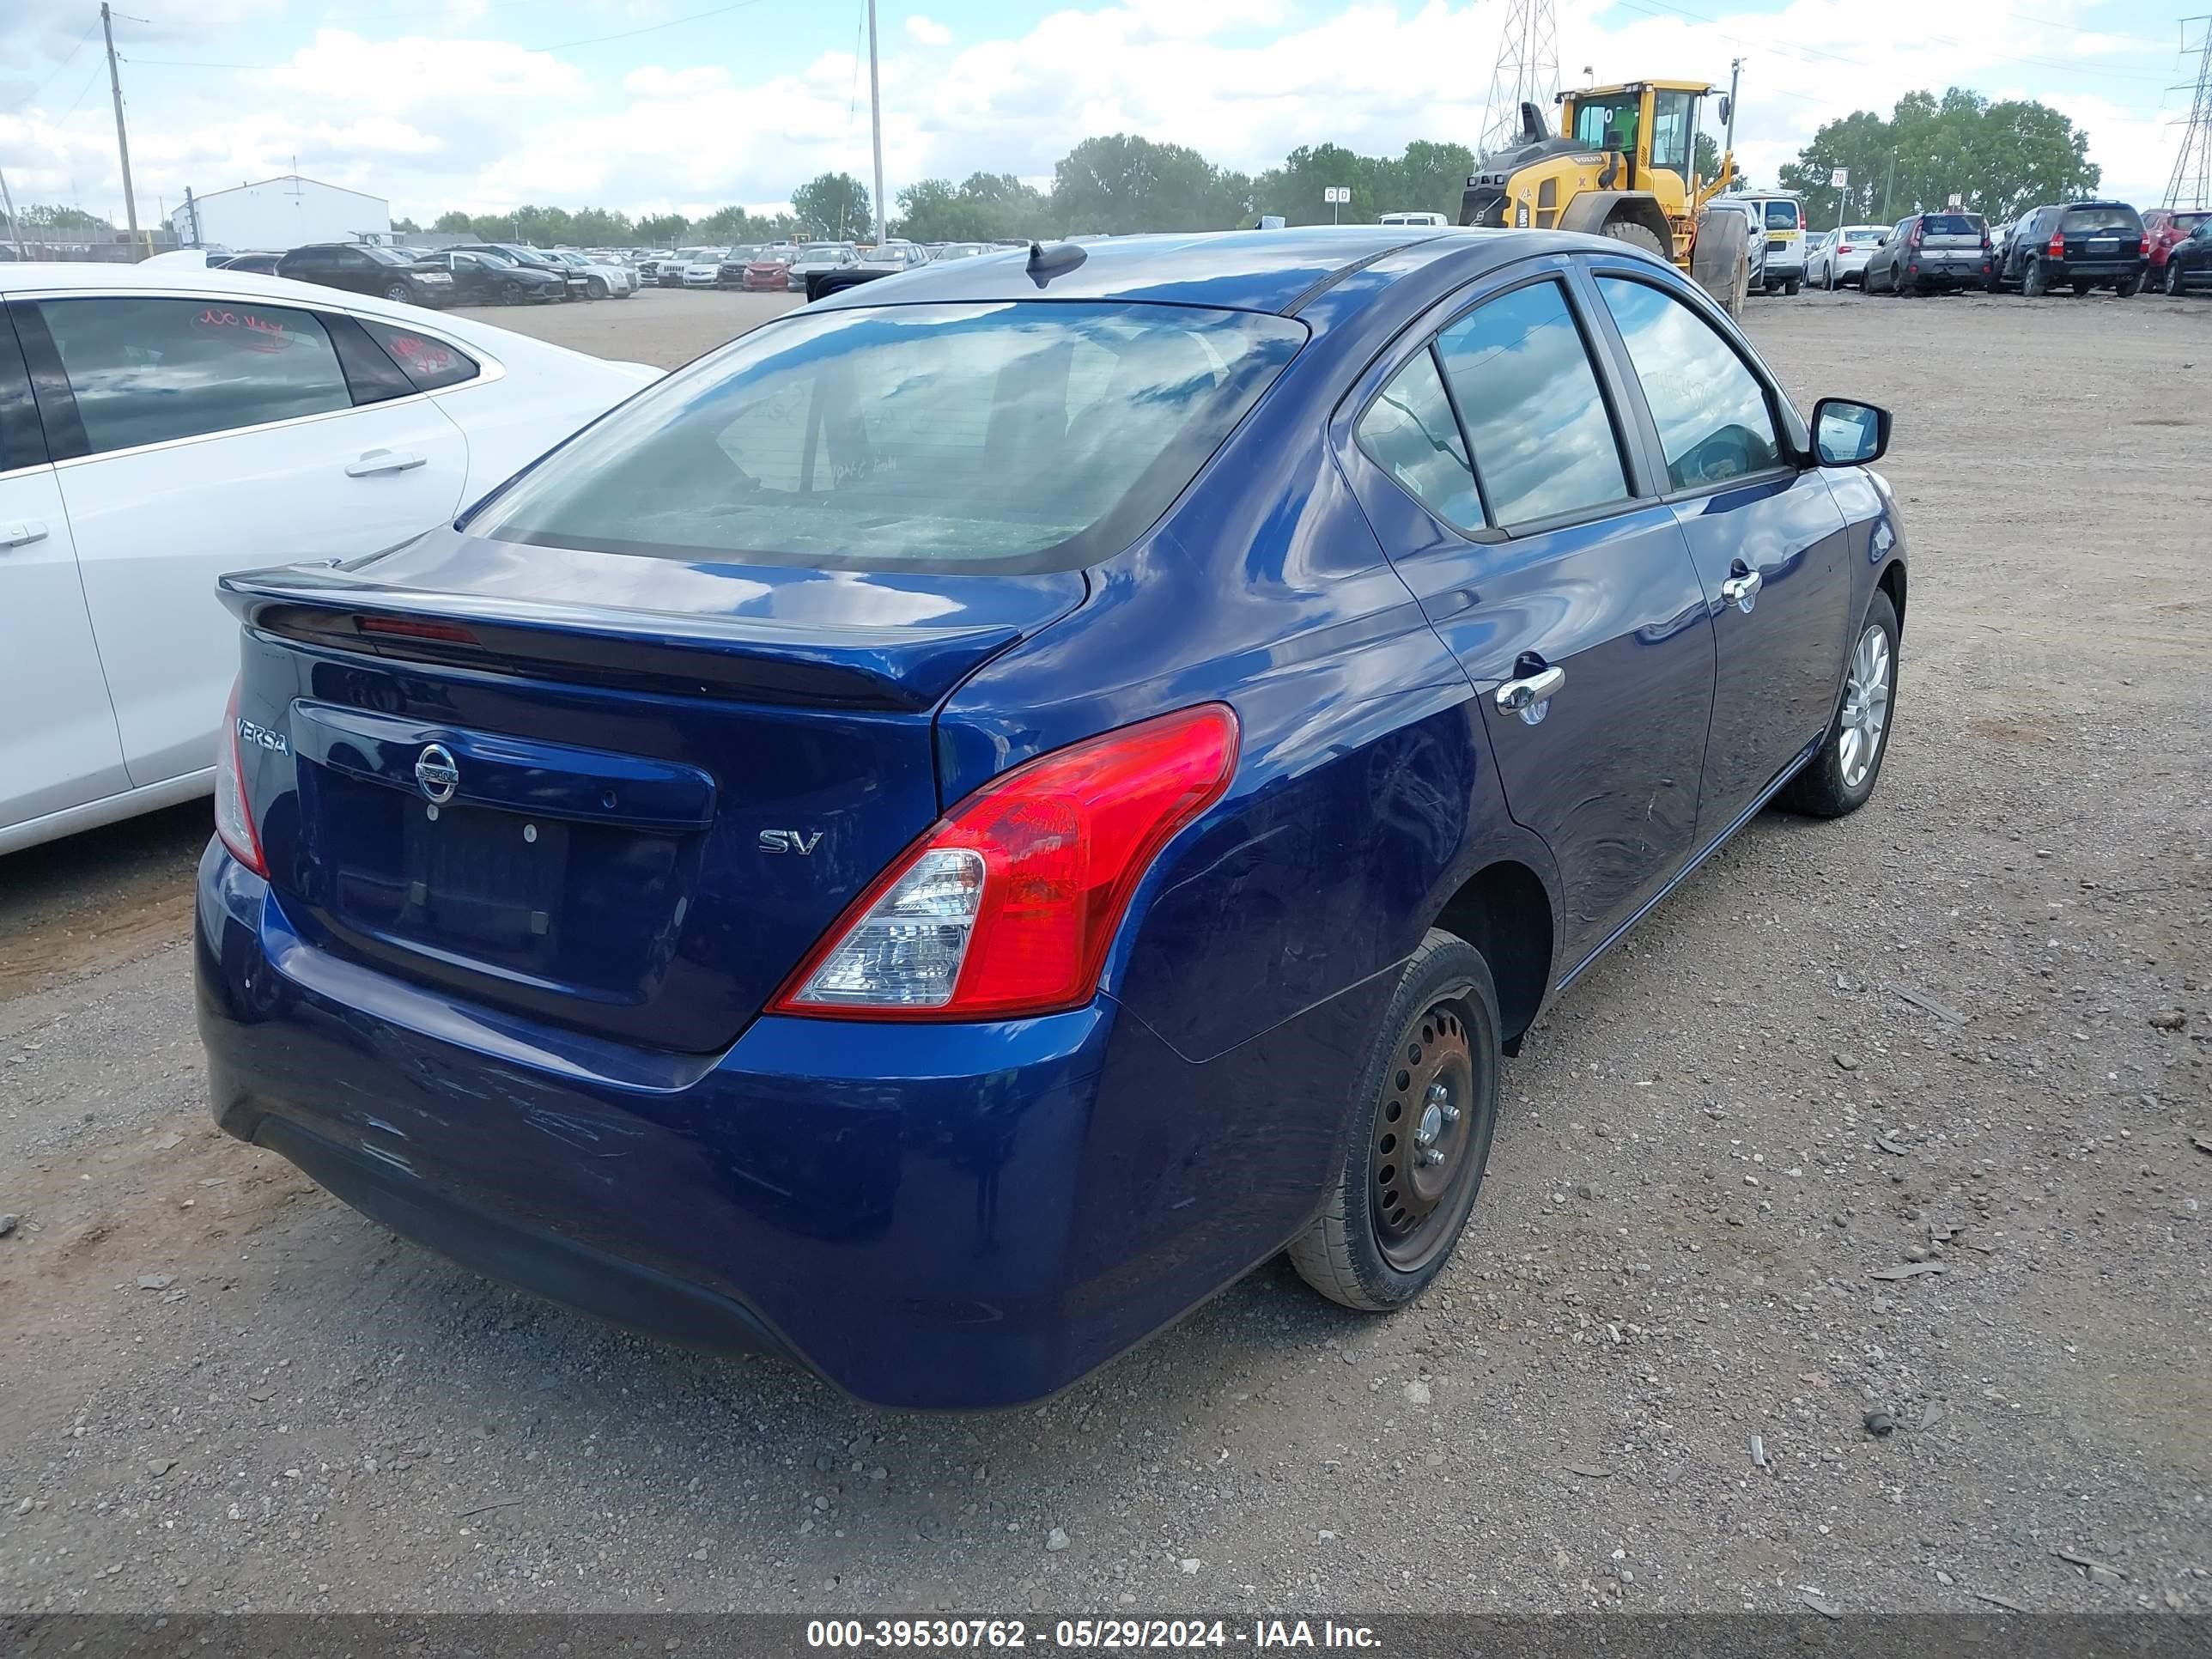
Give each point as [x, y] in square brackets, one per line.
[406, 227]
[52, 216]
[454, 223]
[833, 205]
[1998, 159]
[1125, 182]
[664, 229]
[984, 207]
[1705, 159]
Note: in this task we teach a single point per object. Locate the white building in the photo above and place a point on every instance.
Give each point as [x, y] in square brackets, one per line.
[283, 213]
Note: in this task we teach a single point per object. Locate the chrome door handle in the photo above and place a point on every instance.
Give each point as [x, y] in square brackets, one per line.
[22, 534]
[384, 460]
[1529, 696]
[1741, 590]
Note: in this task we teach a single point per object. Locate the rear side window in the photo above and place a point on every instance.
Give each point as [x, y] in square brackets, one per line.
[1024, 435]
[1411, 433]
[429, 364]
[1711, 412]
[2118, 220]
[1522, 380]
[1783, 216]
[144, 370]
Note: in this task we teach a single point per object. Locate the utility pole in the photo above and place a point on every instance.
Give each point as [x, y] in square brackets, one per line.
[2191, 183]
[1527, 70]
[876, 121]
[122, 138]
[1736, 75]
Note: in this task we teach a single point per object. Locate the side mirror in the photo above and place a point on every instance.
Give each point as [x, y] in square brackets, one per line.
[1849, 434]
[1723, 109]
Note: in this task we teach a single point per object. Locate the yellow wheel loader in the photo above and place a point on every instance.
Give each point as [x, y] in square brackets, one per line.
[1623, 165]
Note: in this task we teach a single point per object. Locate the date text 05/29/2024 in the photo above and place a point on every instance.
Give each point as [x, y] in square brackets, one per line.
[1109, 1635]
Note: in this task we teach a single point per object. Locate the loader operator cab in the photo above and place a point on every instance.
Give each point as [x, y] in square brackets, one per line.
[1624, 167]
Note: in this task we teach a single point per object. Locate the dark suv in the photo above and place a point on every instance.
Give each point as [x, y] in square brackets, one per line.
[364, 269]
[1930, 251]
[2088, 244]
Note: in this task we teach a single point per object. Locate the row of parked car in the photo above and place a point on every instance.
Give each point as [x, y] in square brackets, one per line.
[798, 267]
[2079, 245]
[479, 274]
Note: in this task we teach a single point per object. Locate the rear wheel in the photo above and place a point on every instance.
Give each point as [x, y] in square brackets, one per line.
[2081, 288]
[2133, 285]
[1842, 772]
[1419, 1138]
[396, 292]
[2035, 281]
[1791, 287]
[2173, 276]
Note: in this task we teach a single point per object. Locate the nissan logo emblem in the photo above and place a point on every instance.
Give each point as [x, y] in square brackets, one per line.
[436, 774]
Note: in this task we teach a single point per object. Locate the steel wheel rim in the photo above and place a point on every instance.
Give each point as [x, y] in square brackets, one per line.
[1866, 707]
[1426, 1142]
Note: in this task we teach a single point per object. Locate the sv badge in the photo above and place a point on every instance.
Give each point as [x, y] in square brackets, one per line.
[789, 841]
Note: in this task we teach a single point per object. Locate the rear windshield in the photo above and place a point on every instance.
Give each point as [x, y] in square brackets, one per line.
[1025, 436]
[1781, 216]
[2119, 219]
[1949, 224]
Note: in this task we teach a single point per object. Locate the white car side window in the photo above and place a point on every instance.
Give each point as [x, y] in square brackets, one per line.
[145, 371]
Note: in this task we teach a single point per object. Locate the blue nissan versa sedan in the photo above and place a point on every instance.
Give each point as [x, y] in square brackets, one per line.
[939, 835]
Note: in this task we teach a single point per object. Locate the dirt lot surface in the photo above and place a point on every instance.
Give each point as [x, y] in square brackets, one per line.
[1965, 1029]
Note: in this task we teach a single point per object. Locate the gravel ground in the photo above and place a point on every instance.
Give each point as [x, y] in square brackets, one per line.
[1965, 1029]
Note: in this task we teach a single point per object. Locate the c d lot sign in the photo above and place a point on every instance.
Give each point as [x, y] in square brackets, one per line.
[1336, 193]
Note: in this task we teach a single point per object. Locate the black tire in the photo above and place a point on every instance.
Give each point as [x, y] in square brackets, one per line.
[1791, 287]
[1820, 790]
[596, 288]
[2134, 284]
[1373, 1247]
[2035, 281]
[2081, 288]
[2173, 283]
[1831, 284]
[398, 294]
[1636, 235]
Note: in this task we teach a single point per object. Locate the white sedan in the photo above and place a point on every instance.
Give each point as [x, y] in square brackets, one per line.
[160, 427]
[1839, 258]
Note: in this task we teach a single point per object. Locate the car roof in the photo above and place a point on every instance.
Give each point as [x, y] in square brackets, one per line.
[1236, 270]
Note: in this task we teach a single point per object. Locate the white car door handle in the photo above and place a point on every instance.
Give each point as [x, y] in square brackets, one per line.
[22, 534]
[374, 461]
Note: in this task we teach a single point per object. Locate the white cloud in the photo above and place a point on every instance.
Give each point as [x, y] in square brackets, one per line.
[486, 124]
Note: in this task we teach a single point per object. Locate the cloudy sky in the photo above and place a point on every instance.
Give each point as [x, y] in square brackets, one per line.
[653, 104]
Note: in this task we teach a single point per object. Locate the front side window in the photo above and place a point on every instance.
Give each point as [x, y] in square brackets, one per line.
[1024, 435]
[1522, 378]
[144, 370]
[1411, 433]
[1711, 411]
[1607, 124]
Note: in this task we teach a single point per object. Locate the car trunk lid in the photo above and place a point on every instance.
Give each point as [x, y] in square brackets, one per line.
[631, 813]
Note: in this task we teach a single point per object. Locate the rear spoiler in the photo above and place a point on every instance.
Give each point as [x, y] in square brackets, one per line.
[900, 668]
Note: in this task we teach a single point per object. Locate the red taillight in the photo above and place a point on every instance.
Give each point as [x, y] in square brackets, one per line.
[234, 816]
[413, 628]
[2146, 247]
[2057, 248]
[1008, 906]
[1844, 248]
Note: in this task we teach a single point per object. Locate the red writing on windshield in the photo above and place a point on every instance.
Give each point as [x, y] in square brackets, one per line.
[258, 333]
[421, 356]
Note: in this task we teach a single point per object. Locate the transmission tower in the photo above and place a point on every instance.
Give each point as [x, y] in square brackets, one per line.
[2192, 184]
[1527, 70]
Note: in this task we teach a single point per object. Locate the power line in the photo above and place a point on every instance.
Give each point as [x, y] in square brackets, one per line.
[1527, 70]
[60, 64]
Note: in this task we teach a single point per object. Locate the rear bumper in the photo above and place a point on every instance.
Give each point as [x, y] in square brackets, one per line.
[2094, 270]
[935, 1216]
